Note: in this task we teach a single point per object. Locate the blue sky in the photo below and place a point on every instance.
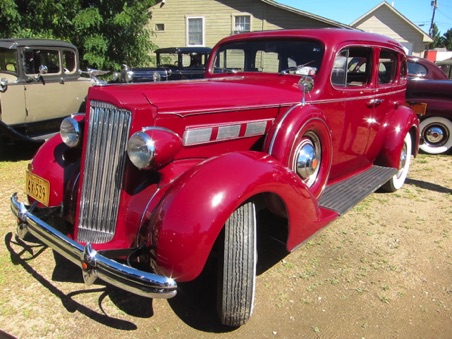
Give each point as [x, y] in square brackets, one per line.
[417, 11]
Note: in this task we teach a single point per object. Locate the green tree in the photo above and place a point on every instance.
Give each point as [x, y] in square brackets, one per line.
[436, 36]
[107, 33]
[446, 40]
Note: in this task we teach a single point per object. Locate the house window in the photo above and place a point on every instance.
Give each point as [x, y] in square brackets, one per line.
[159, 27]
[242, 23]
[195, 31]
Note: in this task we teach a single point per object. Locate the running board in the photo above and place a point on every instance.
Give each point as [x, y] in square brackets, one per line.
[344, 195]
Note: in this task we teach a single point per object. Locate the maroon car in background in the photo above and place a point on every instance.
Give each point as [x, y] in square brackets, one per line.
[429, 85]
[420, 68]
[159, 181]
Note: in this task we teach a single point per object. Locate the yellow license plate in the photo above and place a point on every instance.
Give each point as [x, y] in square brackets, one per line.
[37, 188]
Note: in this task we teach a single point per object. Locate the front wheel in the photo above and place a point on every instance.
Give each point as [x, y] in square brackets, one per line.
[237, 267]
[437, 135]
[397, 181]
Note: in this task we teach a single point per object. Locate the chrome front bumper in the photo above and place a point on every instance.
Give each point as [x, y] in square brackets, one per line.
[93, 264]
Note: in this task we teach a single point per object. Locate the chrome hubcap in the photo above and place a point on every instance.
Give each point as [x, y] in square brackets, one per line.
[307, 160]
[436, 135]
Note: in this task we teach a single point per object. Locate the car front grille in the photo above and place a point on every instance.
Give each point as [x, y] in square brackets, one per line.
[105, 160]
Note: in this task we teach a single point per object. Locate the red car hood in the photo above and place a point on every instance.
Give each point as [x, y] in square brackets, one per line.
[203, 95]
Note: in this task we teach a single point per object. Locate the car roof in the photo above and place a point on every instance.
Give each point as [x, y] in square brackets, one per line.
[14, 43]
[204, 50]
[329, 36]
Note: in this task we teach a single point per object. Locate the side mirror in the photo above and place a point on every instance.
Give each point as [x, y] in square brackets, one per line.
[3, 85]
[306, 85]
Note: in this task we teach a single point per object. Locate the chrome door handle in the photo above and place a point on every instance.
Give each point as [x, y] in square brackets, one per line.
[374, 102]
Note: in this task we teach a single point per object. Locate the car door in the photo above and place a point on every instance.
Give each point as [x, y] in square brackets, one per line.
[351, 79]
[52, 90]
[389, 94]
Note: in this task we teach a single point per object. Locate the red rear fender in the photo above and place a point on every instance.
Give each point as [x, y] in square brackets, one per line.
[399, 123]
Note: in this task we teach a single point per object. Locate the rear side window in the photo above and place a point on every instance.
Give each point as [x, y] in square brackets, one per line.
[352, 67]
[416, 69]
[387, 67]
[69, 62]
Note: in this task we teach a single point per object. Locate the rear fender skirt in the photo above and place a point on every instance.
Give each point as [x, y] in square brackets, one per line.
[194, 209]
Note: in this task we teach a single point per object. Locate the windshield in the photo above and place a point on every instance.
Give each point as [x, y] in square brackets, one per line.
[182, 60]
[271, 56]
[8, 59]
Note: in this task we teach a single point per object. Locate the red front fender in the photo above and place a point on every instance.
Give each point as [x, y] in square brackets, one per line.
[193, 211]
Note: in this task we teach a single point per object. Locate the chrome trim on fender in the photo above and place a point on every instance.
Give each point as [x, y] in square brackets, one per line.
[272, 143]
[94, 265]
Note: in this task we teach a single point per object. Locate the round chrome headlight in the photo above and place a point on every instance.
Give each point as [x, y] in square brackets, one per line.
[70, 132]
[141, 150]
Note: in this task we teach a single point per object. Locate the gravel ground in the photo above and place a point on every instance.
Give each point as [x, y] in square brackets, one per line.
[383, 270]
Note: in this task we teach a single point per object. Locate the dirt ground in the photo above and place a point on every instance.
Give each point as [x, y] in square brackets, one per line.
[383, 270]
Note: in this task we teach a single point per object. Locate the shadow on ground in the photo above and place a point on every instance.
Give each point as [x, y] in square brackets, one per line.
[195, 303]
[18, 151]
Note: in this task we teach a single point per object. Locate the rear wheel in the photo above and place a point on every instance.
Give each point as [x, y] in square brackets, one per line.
[437, 135]
[237, 267]
[397, 181]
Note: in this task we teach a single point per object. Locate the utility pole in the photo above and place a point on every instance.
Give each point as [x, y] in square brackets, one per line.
[434, 4]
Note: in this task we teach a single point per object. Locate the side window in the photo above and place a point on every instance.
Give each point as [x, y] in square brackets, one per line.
[8, 58]
[352, 67]
[387, 67]
[403, 70]
[36, 58]
[69, 62]
[415, 69]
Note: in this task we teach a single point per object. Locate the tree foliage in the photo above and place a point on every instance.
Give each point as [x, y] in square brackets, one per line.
[436, 36]
[446, 40]
[439, 40]
[107, 33]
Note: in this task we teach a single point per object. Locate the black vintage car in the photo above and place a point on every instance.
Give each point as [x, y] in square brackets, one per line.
[173, 63]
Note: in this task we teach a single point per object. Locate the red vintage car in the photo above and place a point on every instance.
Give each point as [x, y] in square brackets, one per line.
[171, 176]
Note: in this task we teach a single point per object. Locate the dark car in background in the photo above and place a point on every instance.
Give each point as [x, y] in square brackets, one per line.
[430, 87]
[173, 63]
[420, 68]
